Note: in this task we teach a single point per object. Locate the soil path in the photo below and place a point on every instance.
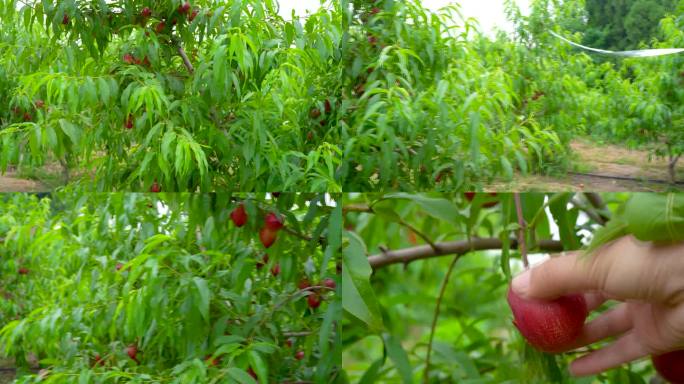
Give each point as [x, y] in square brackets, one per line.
[9, 182]
[6, 377]
[588, 157]
[590, 160]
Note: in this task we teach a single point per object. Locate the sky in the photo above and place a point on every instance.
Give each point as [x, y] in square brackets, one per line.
[489, 13]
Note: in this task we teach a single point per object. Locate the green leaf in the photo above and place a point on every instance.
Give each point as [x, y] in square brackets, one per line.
[204, 296]
[399, 357]
[358, 297]
[241, 376]
[259, 366]
[655, 217]
[438, 208]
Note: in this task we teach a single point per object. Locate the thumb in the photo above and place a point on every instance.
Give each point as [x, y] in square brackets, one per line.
[626, 269]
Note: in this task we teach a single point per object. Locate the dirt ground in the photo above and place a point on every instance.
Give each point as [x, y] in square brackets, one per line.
[9, 182]
[588, 158]
[600, 160]
[5, 376]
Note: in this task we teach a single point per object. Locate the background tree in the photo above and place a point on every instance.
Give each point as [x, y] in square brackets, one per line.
[624, 24]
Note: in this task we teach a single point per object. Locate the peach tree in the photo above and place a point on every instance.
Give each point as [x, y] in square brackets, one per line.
[171, 287]
[197, 95]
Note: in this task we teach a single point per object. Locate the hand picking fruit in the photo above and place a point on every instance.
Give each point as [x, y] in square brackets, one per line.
[551, 301]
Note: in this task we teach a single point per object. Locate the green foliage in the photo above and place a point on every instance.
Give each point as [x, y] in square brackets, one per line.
[624, 24]
[93, 274]
[108, 92]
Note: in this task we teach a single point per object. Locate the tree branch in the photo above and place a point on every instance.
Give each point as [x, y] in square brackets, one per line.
[597, 202]
[407, 255]
[186, 61]
[357, 208]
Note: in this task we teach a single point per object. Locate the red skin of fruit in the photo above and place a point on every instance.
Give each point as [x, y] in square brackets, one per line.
[670, 366]
[550, 326]
[98, 361]
[272, 222]
[314, 301]
[27, 116]
[267, 236]
[192, 16]
[128, 58]
[65, 19]
[264, 261]
[212, 362]
[160, 27]
[23, 271]
[304, 284]
[119, 266]
[155, 188]
[288, 343]
[330, 283]
[375, 11]
[252, 373]
[471, 195]
[129, 122]
[328, 107]
[275, 270]
[239, 216]
[146, 12]
[315, 113]
[40, 103]
[132, 352]
[299, 355]
[184, 8]
[372, 40]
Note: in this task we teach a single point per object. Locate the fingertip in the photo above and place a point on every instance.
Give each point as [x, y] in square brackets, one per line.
[573, 370]
[521, 284]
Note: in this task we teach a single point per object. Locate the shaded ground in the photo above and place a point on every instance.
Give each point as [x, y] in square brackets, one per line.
[11, 183]
[600, 159]
[31, 180]
[6, 377]
[588, 157]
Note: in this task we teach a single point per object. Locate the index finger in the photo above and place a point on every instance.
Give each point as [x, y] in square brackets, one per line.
[626, 269]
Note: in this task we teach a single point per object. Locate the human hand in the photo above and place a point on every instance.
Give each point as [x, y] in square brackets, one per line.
[647, 279]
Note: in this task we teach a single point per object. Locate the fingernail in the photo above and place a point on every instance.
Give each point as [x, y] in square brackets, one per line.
[521, 283]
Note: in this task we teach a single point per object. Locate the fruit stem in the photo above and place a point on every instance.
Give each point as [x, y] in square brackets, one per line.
[426, 377]
[522, 246]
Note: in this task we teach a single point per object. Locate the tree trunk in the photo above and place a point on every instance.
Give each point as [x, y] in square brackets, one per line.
[672, 168]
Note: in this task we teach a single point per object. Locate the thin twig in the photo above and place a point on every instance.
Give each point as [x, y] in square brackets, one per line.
[357, 208]
[186, 61]
[589, 211]
[362, 208]
[297, 334]
[597, 202]
[522, 232]
[442, 289]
